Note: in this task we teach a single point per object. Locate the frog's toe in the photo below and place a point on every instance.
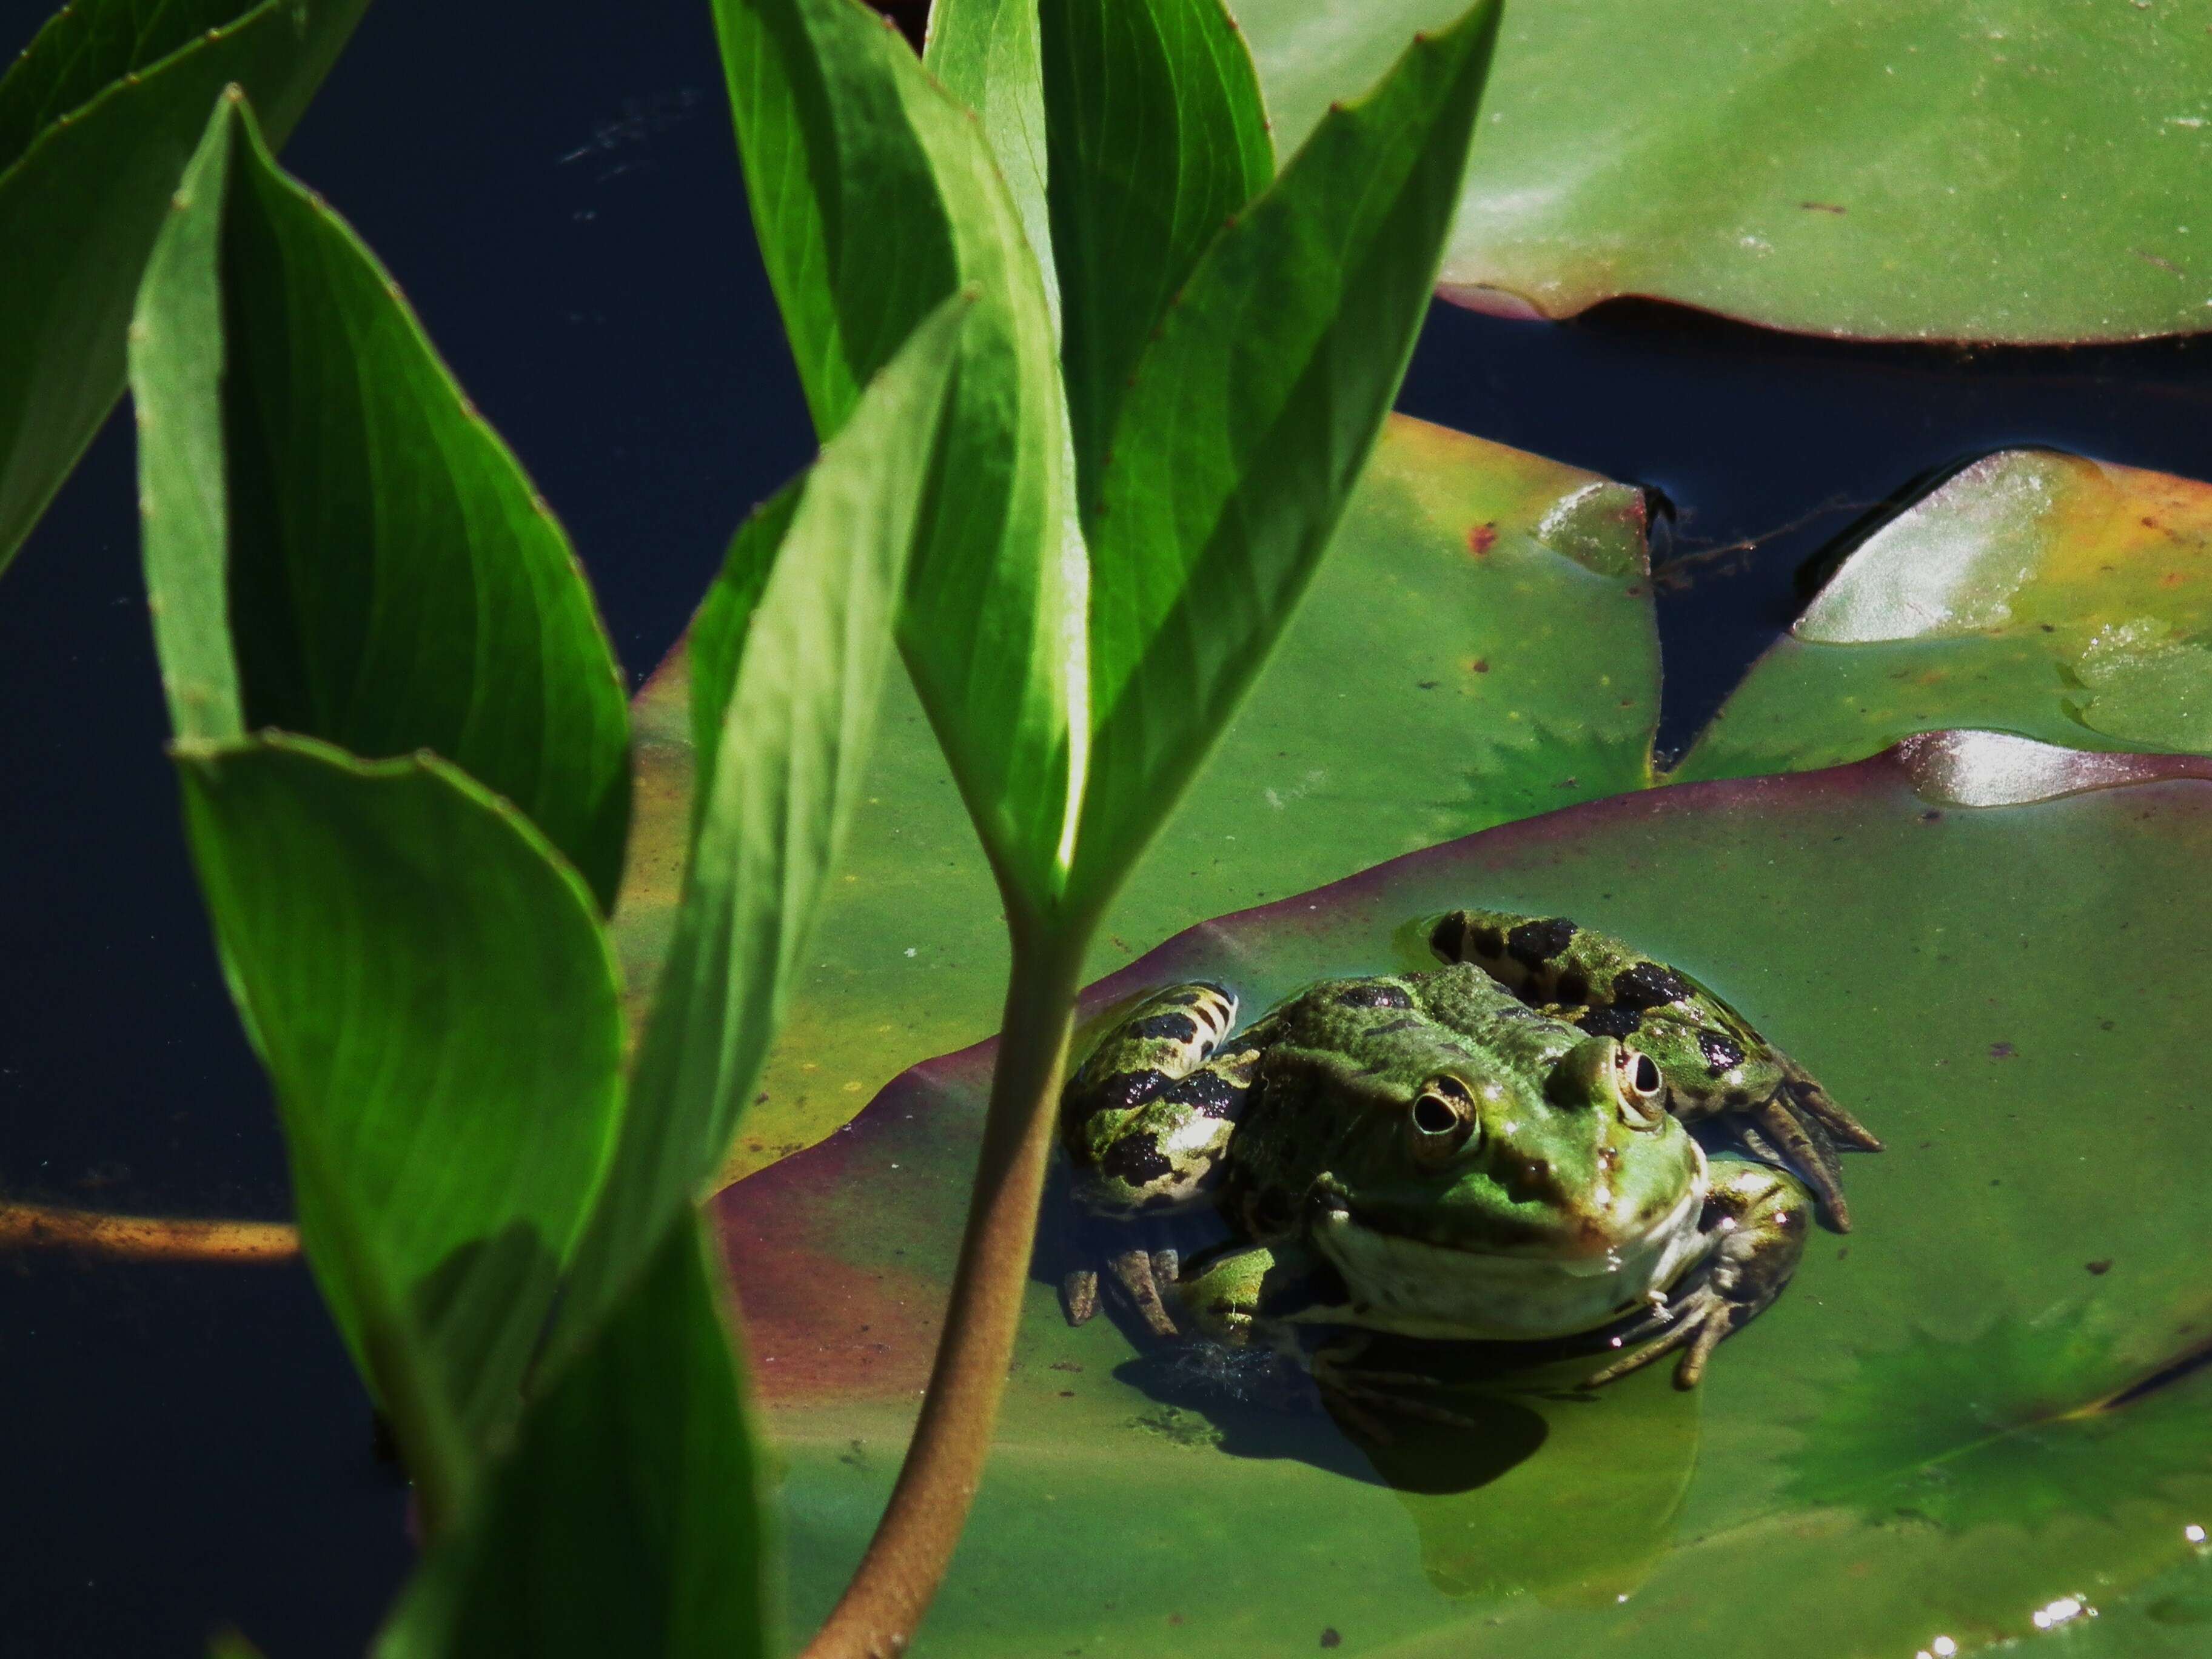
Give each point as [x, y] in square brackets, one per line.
[1079, 1296]
[1699, 1323]
[1802, 1138]
[1138, 1275]
[1817, 1104]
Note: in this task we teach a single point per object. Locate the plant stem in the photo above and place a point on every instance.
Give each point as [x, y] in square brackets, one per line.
[145, 1237]
[905, 1560]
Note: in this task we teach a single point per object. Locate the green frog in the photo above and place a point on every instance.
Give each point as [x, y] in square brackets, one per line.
[1495, 1150]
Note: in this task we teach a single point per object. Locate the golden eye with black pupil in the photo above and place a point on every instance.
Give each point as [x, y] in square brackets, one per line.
[1433, 1116]
[1641, 1086]
[1442, 1118]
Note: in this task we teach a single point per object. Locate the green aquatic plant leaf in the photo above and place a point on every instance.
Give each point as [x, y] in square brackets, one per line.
[718, 633]
[1256, 403]
[796, 636]
[876, 197]
[985, 53]
[1501, 601]
[336, 543]
[1881, 170]
[97, 118]
[630, 1515]
[1157, 139]
[85, 48]
[1859, 1471]
[428, 983]
[2034, 593]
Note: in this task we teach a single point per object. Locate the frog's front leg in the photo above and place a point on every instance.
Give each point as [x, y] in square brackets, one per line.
[1758, 1217]
[1712, 1059]
[1145, 1118]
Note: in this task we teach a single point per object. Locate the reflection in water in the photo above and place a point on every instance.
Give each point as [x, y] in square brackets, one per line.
[1550, 1490]
[1581, 1519]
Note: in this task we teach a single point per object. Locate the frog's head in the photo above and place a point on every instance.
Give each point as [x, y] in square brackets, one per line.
[1473, 1202]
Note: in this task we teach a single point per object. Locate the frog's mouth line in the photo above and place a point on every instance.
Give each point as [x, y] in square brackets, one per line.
[1415, 1288]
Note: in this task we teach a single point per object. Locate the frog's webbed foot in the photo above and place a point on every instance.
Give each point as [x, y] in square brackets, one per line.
[1138, 1278]
[1760, 1222]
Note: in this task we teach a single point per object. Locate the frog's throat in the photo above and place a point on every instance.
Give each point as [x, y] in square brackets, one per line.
[1412, 1288]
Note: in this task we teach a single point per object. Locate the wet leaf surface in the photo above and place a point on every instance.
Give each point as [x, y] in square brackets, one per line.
[2033, 593]
[1945, 1425]
[1883, 171]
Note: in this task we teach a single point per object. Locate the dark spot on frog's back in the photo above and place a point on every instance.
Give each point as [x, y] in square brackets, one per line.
[1721, 1056]
[1534, 943]
[1647, 985]
[1379, 993]
[1135, 1160]
[1126, 1092]
[1207, 1093]
[1609, 1019]
[1452, 939]
[1176, 1028]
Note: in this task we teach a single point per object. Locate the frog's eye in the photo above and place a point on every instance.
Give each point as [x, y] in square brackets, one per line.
[1641, 1086]
[1442, 1118]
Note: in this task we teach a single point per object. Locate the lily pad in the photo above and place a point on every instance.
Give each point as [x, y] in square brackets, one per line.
[2033, 593]
[1980, 1403]
[1523, 674]
[1886, 170]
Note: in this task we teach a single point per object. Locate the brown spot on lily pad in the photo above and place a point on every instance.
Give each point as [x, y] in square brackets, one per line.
[2100, 1267]
[1482, 539]
[1329, 1638]
[2002, 1051]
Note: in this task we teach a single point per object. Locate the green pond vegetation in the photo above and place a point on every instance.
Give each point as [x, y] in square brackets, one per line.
[592, 1022]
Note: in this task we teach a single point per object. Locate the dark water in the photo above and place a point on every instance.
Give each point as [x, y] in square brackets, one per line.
[562, 203]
